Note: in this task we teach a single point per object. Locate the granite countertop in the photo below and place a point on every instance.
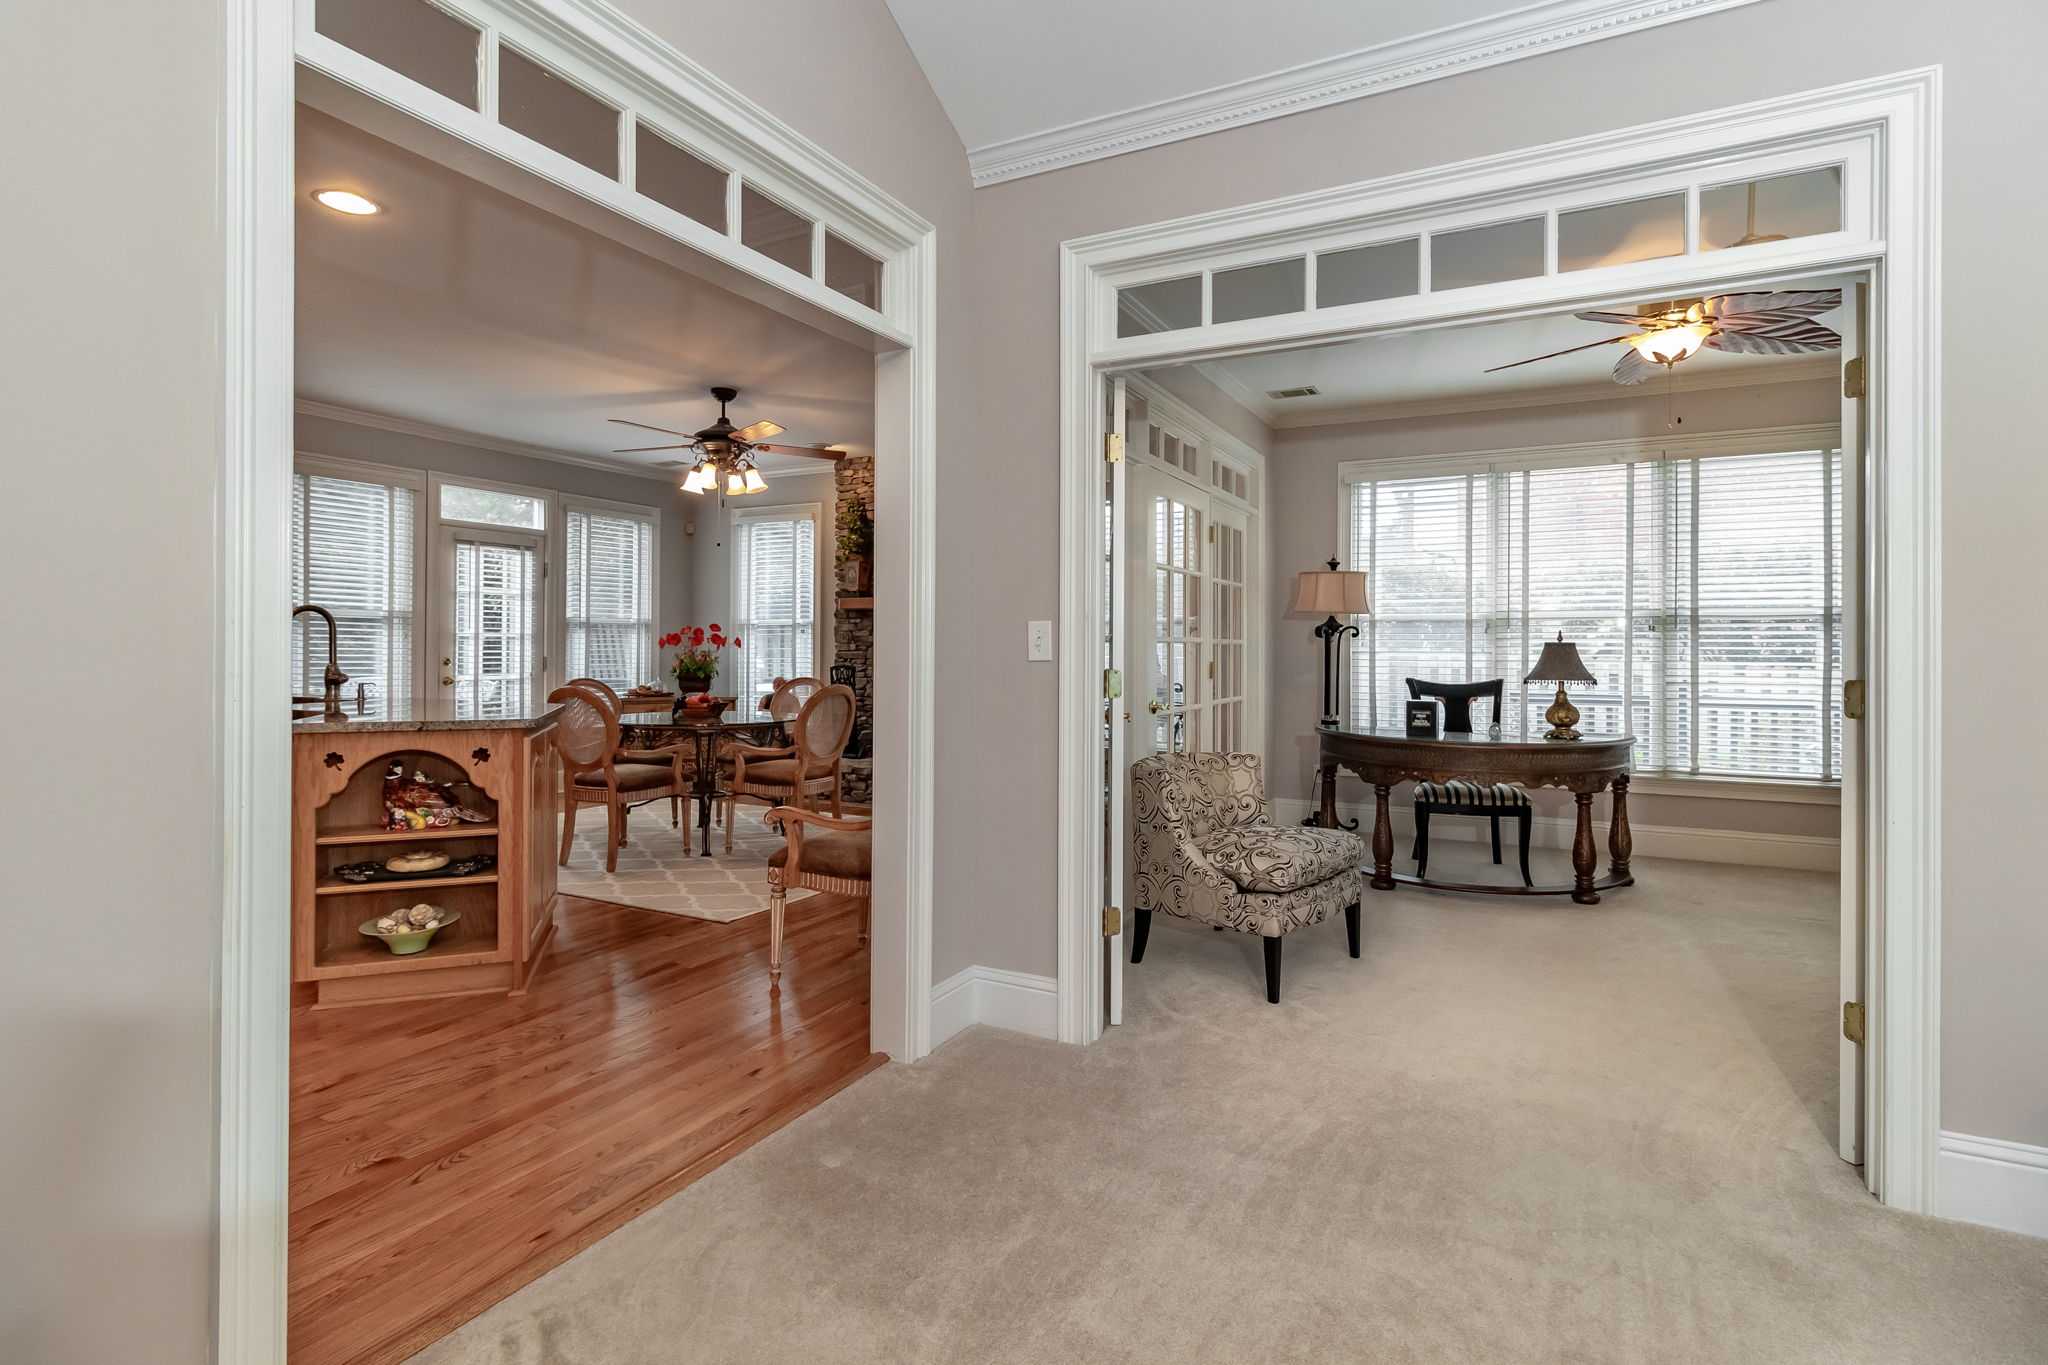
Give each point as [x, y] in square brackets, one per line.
[422, 713]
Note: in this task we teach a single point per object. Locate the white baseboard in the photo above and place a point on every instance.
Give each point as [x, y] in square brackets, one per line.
[989, 995]
[1994, 1182]
[1802, 852]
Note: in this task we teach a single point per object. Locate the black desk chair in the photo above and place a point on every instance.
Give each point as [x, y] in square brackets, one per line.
[1489, 802]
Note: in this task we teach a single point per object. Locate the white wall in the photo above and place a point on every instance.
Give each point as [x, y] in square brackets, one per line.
[374, 445]
[112, 275]
[1995, 941]
[1303, 497]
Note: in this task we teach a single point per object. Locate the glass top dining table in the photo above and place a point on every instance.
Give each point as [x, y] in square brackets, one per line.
[703, 729]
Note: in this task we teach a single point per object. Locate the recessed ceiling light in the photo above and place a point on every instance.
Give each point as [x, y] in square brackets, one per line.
[346, 201]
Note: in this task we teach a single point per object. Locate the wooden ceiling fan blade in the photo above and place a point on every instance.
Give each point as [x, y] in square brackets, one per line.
[641, 450]
[663, 430]
[812, 451]
[1604, 341]
[760, 431]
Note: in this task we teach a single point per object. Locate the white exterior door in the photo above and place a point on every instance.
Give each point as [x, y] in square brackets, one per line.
[492, 646]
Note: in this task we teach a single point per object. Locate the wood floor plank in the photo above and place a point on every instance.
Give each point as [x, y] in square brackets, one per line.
[464, 1147]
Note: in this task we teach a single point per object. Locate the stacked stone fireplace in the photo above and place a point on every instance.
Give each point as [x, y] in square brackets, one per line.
[853, 633]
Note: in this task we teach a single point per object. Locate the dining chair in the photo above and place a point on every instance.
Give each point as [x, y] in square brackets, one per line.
[1487, 801]
[586, 735]
[663, 754]
[837, 858]
[809, 767]
[789, 696]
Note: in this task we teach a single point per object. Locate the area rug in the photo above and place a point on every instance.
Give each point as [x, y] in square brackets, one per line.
[655, 874]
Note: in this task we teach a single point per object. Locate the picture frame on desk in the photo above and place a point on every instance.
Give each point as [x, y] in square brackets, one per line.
[1423, 719]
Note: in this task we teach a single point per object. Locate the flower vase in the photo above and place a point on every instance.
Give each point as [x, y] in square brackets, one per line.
[689, 688]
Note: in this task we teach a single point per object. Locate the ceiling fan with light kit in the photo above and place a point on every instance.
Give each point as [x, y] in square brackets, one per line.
[1759, 323]
[726, 453]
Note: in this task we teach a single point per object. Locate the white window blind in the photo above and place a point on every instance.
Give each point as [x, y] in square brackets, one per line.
[1704, 593]
[352, 552]
[609, 590]
[495, 616]
[776, 596]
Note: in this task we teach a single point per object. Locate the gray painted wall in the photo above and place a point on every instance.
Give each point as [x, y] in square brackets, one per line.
[1994, 940]
[374, 445]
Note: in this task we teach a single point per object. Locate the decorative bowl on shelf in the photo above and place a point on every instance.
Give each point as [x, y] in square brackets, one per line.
[406, 937]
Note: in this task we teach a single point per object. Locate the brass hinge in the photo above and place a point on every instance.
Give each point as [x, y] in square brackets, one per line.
[1212, 533]
[1113, 447]
[1852, 1021]
[1112, 682]
[1112, 921]
[1853, 385]
[1854, 702]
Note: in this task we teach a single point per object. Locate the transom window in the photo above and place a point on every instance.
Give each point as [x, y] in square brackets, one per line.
[1704, 593]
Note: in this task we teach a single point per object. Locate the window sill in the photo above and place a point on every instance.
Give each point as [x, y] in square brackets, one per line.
[1739, 789]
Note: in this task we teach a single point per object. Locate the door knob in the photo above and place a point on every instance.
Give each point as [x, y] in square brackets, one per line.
[1155, 707]
[446, 662]
[447, 681]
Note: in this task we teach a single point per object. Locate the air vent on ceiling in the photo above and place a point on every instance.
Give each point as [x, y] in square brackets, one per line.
[1305, 391]
[670, 464]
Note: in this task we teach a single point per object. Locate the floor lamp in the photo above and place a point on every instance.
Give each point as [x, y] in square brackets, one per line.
[1336, 596]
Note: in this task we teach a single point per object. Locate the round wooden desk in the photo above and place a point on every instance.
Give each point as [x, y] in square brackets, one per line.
[1383, 756]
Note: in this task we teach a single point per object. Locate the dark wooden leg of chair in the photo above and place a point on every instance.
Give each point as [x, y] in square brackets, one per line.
[1524, 819]
[1351, 926]
[568, 826]
[1494, 820]
[615, 834]
[1141, 930]
[1422, 841]
[1272, 946]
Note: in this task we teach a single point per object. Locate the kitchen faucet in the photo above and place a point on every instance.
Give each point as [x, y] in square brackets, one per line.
[334, 677]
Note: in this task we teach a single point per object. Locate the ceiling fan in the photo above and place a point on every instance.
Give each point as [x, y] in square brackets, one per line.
[727, 453]
[1777, 323]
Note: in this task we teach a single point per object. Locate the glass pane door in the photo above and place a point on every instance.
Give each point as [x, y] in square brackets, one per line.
[1177, 700]
[1227, 671]
[495, 659]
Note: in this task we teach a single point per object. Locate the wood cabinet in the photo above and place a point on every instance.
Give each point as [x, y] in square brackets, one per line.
[507, 770]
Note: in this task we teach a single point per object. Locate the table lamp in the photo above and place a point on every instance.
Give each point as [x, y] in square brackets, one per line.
[1332, 595]
[1560, 663]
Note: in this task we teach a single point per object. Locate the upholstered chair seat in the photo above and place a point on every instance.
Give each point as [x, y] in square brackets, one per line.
[1472, 793]
[634, 777]
[1205, 851]
[831, 855]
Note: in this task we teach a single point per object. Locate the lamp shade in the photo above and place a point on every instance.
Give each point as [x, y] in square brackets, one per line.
[1330, 592]
[1560, 663]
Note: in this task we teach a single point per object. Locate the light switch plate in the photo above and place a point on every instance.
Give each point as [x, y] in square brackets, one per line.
[1038, 641]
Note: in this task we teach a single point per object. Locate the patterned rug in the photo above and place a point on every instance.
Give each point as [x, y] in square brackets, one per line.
[655, 874]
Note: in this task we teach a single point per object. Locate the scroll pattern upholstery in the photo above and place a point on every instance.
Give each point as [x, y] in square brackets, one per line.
[1181, 801]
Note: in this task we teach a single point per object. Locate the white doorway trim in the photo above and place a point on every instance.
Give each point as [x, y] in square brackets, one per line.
[1886, 134]
[647, 80]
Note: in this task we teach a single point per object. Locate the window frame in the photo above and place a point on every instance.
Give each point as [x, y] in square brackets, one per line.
[1631, 450]
[566, 503]
[823, 600]
[397, 476]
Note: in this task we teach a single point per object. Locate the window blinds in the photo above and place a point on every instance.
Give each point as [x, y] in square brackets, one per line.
[352, 552]
[776, 596]
[1705, 594]
[609, 587]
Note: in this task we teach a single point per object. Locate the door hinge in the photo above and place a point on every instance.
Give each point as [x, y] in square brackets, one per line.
[1854, 702]
[1212, 533]
[1113, 447]
[1853, 385]
[1112, 682]
[1852, 1021]
[1112, 921]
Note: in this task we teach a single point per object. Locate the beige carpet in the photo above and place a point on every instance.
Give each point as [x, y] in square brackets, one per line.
[1513, 1132]
[655, 874]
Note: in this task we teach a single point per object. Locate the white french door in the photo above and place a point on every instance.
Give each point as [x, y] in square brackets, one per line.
[1855, 1058]
[1228, 669]
[492, 646]
[1116, 703]
[1176, 594]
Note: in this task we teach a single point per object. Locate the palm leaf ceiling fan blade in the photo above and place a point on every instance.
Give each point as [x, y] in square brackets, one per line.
[757, 433]
[1788, 341]
[1597, 315]
[1632, 368]
[663, 430]
[1804, 303]
[1604, 341]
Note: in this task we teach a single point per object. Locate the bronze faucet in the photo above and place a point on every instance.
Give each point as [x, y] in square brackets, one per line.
[334, 677]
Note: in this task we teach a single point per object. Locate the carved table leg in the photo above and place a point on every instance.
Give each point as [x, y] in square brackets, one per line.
[1326, 815]
[1583, 853]
[1382, 841]
[1620, 846]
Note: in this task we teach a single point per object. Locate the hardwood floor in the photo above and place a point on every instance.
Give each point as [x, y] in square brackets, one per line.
[446, 1152]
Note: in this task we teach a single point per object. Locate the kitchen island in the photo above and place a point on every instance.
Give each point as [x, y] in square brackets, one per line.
[498, 762]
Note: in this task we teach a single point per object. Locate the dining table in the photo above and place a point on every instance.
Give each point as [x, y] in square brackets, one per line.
[707, 732]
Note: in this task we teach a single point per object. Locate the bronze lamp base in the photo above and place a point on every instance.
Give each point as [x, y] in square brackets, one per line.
[1563, 717]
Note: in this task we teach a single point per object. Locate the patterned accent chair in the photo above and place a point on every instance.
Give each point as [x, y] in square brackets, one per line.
[1487, 801]
[1206, 852]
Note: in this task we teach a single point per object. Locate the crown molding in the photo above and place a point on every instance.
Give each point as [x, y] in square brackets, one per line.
[361, 417]
[1802, 369]
[1522, 32]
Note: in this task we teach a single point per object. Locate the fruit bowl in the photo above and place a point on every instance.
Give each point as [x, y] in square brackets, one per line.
[404, 941]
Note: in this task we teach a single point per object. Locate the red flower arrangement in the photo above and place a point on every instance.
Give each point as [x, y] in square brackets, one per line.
[697, 650]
